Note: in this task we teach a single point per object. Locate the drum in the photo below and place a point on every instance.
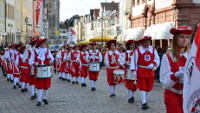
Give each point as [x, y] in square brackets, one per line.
[32, 70]
[131, 75]
[119, 75]
[44, 71]
[94, 67]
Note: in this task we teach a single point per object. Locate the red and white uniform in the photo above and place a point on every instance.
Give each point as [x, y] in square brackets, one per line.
[173, 85]
[3, 61]
[84, 57]
[24, 69]
[94, 56]
[147, 59]
[8, 54]
[129, 84]
[111, 60]
[74, 57]
[15, 59]
[42, 56]
[28, 53]
[61, 56]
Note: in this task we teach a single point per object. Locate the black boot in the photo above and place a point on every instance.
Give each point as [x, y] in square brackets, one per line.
[22, 90]
[93, 89]
[145, 106]
[25, 89]
[131, 100]
[32, 97]
[76, 82]
[73, 82]
[38, 104]
[14, 87]
[112, 95]
[46, 101]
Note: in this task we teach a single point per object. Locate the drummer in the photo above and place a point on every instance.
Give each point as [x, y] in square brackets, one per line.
[16, 72]
[130, 77]
[74, 57]
[7, 57]
[122, 58]
[62, 64]
[95, 56]
[147, 60]
[27, 55]
[111, 61]
[24, 69]
[84, 57]
[42, 56]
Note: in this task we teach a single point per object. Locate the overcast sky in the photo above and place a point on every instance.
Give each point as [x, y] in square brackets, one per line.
[68, 8]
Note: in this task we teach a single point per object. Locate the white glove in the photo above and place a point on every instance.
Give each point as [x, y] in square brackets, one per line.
[179, 74]
[150, 66]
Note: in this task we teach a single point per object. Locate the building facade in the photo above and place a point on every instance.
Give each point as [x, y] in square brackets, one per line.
[53, 8]
[10, 21]
[160, 16]
[3, 33]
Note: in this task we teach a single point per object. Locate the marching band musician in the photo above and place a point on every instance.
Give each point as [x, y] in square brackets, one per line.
[147, 60]
[24, 69]
[111, 61]
[130, 82]
[122, 61]
[74, 57]
[68, 62]
[3, 61]
[42, 56]
[62, 64]
[32, 75]
[84, 57]
[16, 72]
[95, 57]
[172, 69]
[8, 56]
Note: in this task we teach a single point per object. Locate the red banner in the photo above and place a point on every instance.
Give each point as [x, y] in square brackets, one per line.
[38, 11]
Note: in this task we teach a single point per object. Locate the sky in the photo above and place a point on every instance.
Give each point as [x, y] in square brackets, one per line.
[68, 8]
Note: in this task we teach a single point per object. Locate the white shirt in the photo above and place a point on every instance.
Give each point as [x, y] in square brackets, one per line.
[106, 59]
[165, 72]
[142, 50]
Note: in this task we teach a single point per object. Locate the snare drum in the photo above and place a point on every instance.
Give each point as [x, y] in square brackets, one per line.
[44, 71]
[94, 67]
[131, 75]
[119, 75]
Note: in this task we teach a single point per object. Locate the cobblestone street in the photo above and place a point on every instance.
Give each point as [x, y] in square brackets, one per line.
[67, 98]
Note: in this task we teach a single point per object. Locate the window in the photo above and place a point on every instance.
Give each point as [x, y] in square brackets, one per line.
[133, 3]
[138, 2]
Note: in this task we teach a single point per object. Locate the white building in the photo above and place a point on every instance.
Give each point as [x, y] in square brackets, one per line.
[2, 23]
[10, 21]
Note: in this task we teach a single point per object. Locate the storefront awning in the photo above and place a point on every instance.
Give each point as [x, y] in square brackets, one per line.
[83, 42]
[101, 38]
[134, 33]
[160, 31]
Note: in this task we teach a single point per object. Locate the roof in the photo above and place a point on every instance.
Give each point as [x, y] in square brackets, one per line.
[110, 6]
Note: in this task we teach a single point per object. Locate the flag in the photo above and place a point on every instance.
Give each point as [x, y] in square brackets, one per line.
[191, 91]
[38, 11]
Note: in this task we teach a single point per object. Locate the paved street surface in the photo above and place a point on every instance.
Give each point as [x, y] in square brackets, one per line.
[67, 98]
